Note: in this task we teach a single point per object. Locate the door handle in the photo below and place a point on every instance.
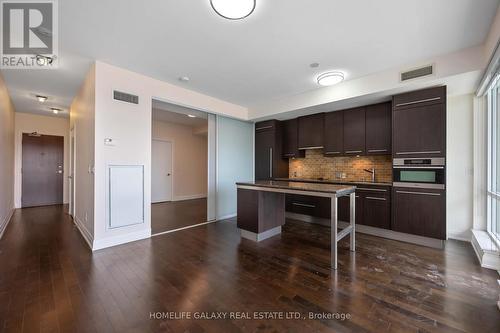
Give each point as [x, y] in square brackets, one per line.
[270, 162]
[59, 171]
[168, 174]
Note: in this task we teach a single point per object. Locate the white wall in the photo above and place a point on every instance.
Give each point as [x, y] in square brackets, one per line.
[130, 127]
[45, 125]
[459, 200]
[189, 159]
[235, 151]
[6, 157]
[82, 121]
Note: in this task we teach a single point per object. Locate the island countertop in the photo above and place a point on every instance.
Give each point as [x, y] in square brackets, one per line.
[335, 189]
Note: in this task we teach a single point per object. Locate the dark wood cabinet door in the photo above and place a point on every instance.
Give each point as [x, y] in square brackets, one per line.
[354, 131]
[290, 139]
[311, 131]
[264, 145]
[377, 211]
[334, 134]
[419, 123]
[420, 131]
[419, 212]
[378, 129]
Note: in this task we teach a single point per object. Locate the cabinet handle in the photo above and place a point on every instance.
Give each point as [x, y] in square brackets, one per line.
[371, 189]
[420, 193]
[270, 162]
[416, 166]
[303, 205]
[263, 128]
[375, 198]
[353, 151]
[312, 147]
[376, 150]
[289, 154]
[419, 152]
[331, 152]
[419, 101]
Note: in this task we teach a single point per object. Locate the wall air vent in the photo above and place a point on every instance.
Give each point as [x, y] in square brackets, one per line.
[124, 97]
[416, 73]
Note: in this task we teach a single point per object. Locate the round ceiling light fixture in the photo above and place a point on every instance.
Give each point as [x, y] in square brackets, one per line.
[233, 9]
[55, 110]
[330, 78]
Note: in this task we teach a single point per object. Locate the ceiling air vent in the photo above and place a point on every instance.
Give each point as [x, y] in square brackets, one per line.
[124, 97]
[416, 73]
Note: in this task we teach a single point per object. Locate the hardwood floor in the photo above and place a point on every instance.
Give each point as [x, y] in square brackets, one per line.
[166, 216]
[51, 282]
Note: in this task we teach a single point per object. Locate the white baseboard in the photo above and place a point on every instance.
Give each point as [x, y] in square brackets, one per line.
[459, 238]
[87, 236]
[225, 217]
[486, 250]
[189, 197]
[183, 228]
[120, 239]
[5, 222]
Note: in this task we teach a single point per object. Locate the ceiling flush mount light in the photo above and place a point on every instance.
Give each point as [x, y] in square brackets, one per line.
[184, 79]
[55, 110]
[191, 116]
[41, 98]
[330, 78]
[233, 9]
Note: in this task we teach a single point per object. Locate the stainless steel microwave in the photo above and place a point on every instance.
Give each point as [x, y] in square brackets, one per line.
[419, 173]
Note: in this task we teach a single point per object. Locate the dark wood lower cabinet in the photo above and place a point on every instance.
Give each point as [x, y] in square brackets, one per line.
[420, 212]
[373, 207]
[377, 210]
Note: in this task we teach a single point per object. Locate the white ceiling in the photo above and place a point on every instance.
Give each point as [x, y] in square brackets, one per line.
[263, 57]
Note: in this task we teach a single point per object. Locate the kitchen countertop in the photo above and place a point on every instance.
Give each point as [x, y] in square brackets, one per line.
[329, 181]
[301, 186]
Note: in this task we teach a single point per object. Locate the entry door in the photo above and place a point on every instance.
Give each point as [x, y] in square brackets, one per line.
[42, 170]
[161, 171]
[72, 176]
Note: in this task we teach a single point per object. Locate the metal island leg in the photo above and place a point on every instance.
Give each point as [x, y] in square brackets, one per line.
[349, 230]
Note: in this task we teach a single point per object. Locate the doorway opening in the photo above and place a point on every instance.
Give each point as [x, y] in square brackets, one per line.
[42, 170]
[179, 167]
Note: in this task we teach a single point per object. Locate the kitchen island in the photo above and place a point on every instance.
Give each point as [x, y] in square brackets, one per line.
[261, 209]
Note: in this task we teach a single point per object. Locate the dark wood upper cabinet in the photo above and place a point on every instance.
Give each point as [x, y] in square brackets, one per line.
[354, 131]
[268, 156]
[334, 133]
[419, 212]
[311, 131]
[378, 129]
[419, 123]
[291, 140]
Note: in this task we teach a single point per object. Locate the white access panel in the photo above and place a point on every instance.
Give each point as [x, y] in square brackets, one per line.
[126, 195]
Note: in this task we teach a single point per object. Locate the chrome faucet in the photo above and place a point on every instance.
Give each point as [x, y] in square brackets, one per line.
[372, 171]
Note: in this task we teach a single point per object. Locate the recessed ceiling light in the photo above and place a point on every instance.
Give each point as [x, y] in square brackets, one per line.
[55, 110]
[314, 65]
[191, 116]
[330, 78]
[233, 9]
[41, 98]
[184, 79]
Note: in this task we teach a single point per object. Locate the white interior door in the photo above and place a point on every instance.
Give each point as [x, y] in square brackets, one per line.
[161, 171]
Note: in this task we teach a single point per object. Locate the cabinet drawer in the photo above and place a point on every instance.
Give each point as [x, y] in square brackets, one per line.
[308, 205]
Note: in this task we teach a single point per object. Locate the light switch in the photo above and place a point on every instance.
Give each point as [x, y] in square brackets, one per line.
[109, 142]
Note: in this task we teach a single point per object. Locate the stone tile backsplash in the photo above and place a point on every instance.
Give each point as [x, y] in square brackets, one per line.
[316, 165]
